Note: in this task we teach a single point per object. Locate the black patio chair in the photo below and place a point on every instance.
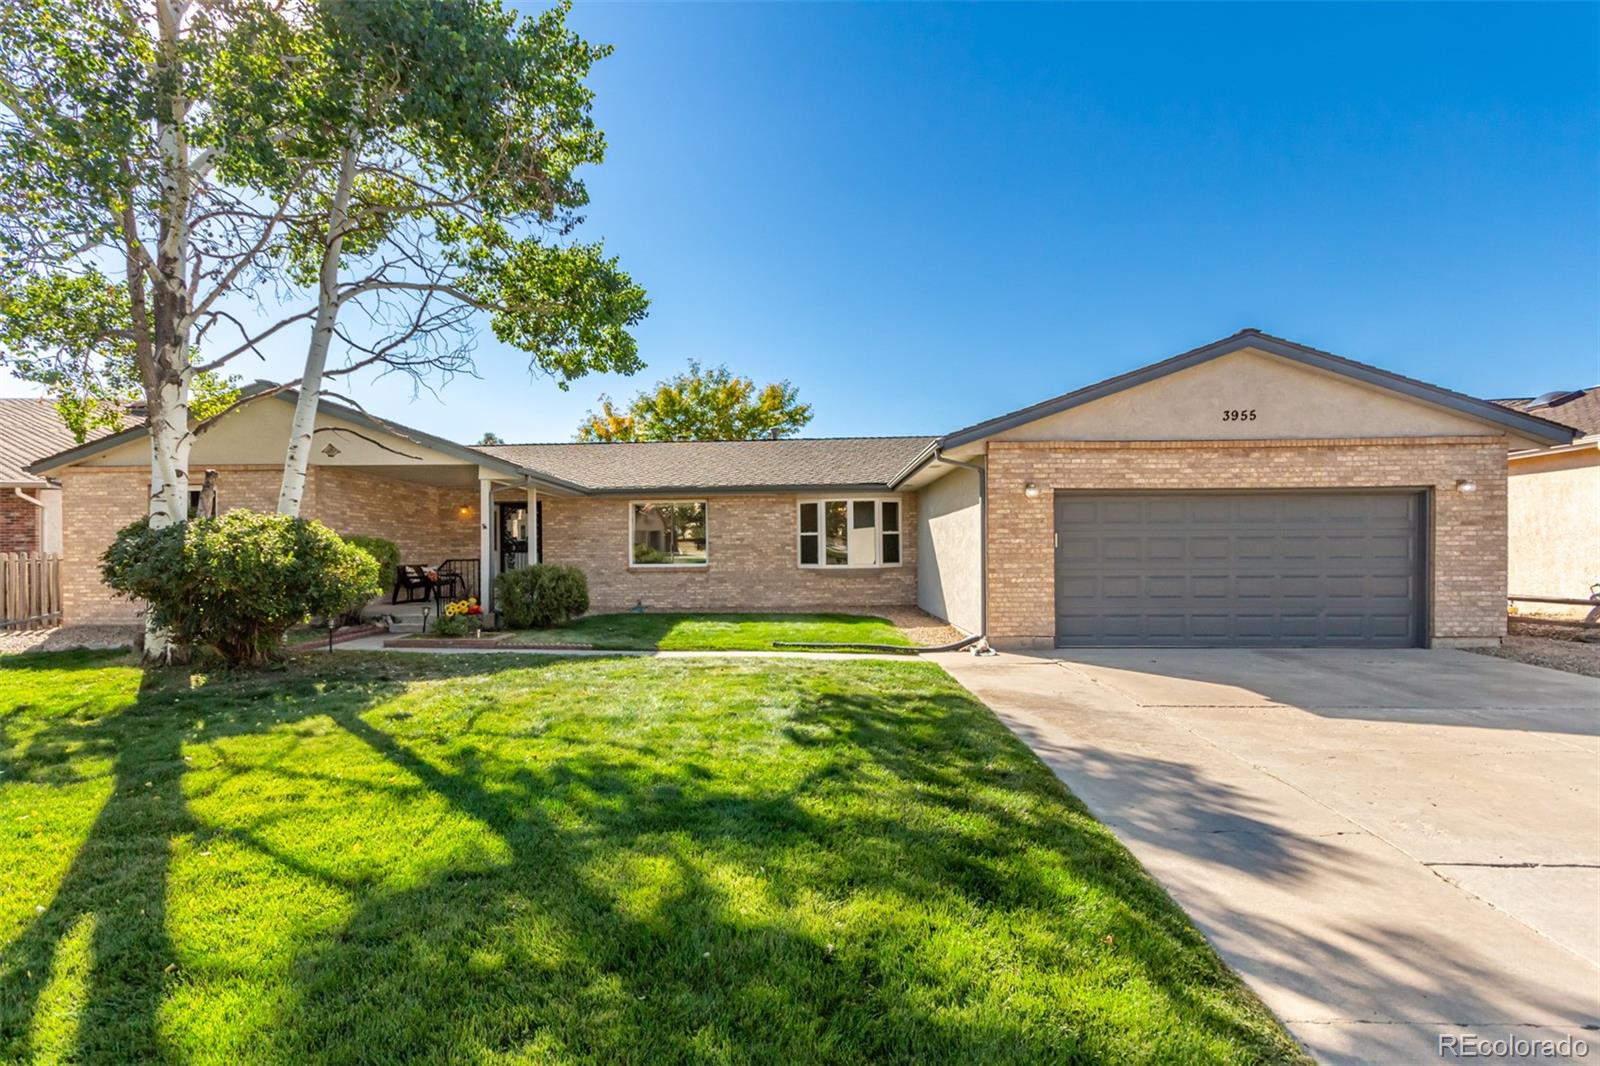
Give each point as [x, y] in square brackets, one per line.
[414, 582]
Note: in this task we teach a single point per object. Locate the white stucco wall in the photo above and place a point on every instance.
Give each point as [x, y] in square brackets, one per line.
[50, 521]
[1553, 528]
[950, 550]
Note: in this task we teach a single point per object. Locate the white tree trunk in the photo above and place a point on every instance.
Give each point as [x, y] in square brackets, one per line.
[301, 430]
[167, 380]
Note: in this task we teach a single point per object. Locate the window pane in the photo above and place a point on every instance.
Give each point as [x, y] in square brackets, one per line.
[891, 516]
[669, 534]
[808, 549]
[863, 518]
[838, 537]
[891, 548]
[808, 518]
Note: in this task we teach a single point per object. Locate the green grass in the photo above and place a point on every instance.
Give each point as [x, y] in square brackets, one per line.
[513, 859]
[717, 632]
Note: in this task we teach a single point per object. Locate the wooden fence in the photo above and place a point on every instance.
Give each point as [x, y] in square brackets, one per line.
[30, 590]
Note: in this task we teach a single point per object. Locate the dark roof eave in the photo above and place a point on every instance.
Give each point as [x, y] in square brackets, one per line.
[1482, 410]
[926, 456]
[665, 491]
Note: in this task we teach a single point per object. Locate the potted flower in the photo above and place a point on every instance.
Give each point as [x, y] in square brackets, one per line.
[460, 617]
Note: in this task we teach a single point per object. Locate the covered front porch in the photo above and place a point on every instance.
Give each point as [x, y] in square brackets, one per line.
[456, 527]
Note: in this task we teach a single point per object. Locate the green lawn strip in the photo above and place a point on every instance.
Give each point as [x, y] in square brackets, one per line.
[716, 632]
[510, 858]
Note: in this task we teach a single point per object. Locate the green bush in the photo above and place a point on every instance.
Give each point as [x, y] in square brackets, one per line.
[537, 597]
[385, 551]
[456, 625]
[238, 582]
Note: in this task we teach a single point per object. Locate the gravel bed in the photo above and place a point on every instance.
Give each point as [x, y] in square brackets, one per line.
[68, 638]
[1539, 642]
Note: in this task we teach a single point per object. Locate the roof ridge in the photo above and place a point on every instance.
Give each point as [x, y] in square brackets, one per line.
[749, 440]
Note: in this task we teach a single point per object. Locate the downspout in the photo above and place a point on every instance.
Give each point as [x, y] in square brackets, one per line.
[983, 536]
[17, 491]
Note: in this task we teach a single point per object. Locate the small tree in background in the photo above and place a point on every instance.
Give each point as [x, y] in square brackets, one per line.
[701, 404]
[490, 438]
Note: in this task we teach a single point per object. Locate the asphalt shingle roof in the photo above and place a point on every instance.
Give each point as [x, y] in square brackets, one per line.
[30, 430]
[739, 464]
[1580, 411]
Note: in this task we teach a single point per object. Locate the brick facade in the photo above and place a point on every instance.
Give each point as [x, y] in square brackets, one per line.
[1466, 544]
[20, 524]
[753, 563]
[752, 559]
[425, 521]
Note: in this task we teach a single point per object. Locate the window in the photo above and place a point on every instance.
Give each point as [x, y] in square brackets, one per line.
[840, 533]
[667, 533]
[194, 505]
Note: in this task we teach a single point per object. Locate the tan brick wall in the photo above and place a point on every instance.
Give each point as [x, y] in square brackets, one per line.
[1468, 544]
[423, 520]
[753, 563]
[19, 523]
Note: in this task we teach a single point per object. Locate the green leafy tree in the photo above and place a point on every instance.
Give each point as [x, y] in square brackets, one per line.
[454, 132]
[412, 160]
[490, 438]
[52, 325]
[701, 404]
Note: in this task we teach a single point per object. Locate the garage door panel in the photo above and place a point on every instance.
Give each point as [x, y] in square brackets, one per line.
[1254, 569]
[1158, 549]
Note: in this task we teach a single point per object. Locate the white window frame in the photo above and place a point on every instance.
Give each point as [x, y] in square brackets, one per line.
[633, 507]
[849, 502]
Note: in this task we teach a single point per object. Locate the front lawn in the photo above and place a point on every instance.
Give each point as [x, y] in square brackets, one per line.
[716, 632]
[370, 858]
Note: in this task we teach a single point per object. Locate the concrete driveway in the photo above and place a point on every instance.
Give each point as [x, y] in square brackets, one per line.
[1390, 846]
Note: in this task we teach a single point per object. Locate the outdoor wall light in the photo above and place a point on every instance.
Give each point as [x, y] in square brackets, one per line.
[1031, 491]
[1466, 484]
[463, 510]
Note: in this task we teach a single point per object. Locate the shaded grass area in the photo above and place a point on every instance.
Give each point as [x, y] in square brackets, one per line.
[501, 858]
[717, 632]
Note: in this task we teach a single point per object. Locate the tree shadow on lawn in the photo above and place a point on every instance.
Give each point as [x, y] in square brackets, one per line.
[919, 889]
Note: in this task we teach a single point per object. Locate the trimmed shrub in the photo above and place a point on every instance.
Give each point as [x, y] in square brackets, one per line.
[237, 582]
[538, 597]
[385, 551]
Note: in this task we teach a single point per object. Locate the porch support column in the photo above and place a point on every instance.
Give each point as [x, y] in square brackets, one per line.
[485, 544]
[533, 524]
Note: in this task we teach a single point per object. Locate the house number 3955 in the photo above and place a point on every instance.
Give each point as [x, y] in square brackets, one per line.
[1236, 415]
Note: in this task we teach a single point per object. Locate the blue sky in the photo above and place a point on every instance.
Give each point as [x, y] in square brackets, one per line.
[925, 215]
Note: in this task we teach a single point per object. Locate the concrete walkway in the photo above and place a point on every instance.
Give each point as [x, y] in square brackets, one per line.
[1390, 847]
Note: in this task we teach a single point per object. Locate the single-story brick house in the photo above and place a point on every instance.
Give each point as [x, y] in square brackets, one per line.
[1253, 491]
[1553, 506]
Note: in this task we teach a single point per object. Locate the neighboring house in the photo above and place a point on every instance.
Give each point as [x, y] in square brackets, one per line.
[1251, 492]
[30, 506]
[1553, 505]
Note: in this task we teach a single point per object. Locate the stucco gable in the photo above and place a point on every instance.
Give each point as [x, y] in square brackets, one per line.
[1244, 385]
[256, 433]
[1249, 395]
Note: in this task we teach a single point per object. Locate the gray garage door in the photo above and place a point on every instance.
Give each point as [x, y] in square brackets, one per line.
[1202, 569]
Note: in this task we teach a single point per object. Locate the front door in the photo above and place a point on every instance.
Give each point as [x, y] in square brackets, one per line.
[511, 536]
